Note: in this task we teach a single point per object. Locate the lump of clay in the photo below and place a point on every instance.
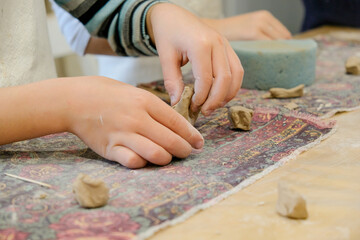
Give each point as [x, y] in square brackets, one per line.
[291, 105]
[240, 117]
[297, 91]
[90, 193]
[290, 203]
[183, 106]
[353, 65]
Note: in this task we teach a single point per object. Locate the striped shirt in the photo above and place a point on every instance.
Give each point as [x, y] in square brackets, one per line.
[122, 22]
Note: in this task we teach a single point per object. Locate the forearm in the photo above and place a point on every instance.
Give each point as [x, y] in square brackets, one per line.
[32, 110]
[99, 46]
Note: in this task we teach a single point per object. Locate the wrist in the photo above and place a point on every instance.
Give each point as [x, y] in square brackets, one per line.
[149, 19]
[213, 23]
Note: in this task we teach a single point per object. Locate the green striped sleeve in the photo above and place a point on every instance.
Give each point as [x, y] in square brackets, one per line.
[122, 22]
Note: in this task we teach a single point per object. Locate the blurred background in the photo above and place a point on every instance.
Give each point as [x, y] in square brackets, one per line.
[289, 12]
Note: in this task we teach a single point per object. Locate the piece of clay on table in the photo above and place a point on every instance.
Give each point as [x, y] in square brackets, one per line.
[353, 65]
[183, 106]
[90, 193]
[291, 105]
[297, 91]
[290, 203]
[240, 117]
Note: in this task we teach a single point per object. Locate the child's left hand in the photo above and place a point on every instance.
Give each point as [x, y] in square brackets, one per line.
[181, 37]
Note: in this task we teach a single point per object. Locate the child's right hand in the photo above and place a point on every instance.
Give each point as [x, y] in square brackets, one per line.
[127, 124]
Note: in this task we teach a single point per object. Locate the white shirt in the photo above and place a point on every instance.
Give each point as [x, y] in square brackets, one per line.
[25, 53]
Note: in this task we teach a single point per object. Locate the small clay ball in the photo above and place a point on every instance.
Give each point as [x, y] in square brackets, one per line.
[90, 193]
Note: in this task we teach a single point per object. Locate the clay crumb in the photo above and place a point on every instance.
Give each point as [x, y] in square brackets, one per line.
[42, 196]
[290, 203]
[90, 193]
[297, 91]
[240, 117]
[183, 106]
[291, 106]
[352, 65]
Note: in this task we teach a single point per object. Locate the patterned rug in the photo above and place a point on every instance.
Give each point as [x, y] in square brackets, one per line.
[334, 90]
[145, 200]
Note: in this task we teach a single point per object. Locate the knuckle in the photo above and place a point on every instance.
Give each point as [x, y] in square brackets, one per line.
[130, 123]
[204, 43]
[220, 39]
[215, 105]
[199, 100]
[231, 95]
[185, 152]
[141, 100]
[263, 14]
[254, 32]
[159, 158]
[155, 155]
[175, 119]
[132, 160]
[226, 76]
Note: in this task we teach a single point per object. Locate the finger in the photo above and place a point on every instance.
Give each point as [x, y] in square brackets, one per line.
[237, 73]
[168, 117]
[171, 69]
[171, 142]
[203, 74]
[278, 26]
[262, 36]
[125, 157]
[145, 148]
[271, 32]
[222, 79]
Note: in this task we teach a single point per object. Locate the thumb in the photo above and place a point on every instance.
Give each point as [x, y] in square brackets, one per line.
[171, 69]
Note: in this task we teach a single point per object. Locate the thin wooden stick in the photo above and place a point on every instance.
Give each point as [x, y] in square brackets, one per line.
[29, 180]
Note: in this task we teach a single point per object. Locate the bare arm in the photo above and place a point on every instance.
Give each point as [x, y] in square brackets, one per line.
[99, 46]
[31, 111]
[118, 121]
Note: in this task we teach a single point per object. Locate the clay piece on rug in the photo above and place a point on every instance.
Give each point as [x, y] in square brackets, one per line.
[290, 203]
[352, 65]
[240, 117]
[297, 91]
[183, 106]
[291, 106]
[90, 193]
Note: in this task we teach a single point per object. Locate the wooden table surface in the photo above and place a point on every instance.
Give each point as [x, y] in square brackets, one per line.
[327, 175]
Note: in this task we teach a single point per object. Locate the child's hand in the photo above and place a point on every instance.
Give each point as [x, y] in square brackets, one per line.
[127, 124]
[181, 37]
[259, 25]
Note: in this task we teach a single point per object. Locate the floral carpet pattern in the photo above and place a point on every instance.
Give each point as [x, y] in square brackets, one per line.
[144, 199]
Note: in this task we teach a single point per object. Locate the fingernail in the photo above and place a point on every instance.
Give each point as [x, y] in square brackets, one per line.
[199, 144]
[172, 99]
